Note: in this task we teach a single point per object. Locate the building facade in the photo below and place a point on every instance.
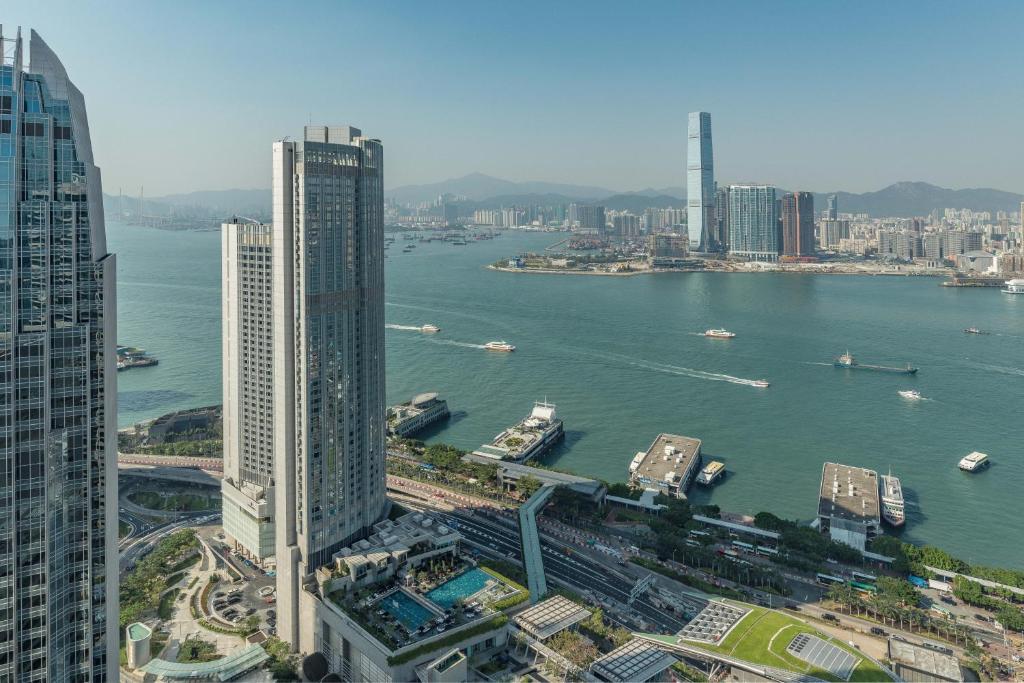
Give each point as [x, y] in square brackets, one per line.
[329, 402]
[722, 218]
[832, 213]
[832, 232]
[58, 387]
[700, 182]
[247, 342]
[591, 219]
[753, 223]
[798, 224]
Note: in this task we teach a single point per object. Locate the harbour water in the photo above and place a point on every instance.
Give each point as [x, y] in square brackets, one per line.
[623, 360]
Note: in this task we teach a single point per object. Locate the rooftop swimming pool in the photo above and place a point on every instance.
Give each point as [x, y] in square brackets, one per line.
[409, 613]
[461, 587]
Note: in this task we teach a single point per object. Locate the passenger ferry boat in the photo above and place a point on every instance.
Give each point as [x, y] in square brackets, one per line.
[719, 334]
[711, 473]
[760, 384]
[974, 330]
[430, 329]
[499, 346]
[911, 394]
[974, 462]
[1015, 286]
[893, 510]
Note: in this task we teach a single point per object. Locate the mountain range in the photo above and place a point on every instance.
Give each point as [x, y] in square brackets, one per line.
[485, 192]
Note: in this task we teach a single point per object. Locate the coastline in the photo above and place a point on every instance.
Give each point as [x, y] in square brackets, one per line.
[656, 271]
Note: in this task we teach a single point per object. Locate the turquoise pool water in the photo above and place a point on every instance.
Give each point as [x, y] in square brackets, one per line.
[409, 613]
[462, 586]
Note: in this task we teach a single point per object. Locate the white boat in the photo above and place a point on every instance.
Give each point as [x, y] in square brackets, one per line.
[430, 329]
[499, 346]
[893, 510]
[911, 394]
[1015, 286]
[719, 334]
[973, 462]
[760, 384]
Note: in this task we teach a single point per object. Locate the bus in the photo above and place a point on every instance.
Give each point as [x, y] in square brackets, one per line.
[745, 547]
[861, 576]
[828, 579]
[764, 550]
[863, 587]
[697, 532]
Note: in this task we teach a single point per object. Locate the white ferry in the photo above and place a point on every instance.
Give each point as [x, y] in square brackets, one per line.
[1015, 286]
[910, 394]
[974, 462]
[430, 329]
[711, 473]
[499, 346]
[893, 510]
[760, 384]
[719, 334]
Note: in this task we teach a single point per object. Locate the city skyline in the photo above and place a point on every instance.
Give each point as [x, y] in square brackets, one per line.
[844, 127]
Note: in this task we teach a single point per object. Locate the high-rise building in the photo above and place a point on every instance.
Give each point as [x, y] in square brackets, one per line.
[700, 181]
[798, 224]
[328, 340]
[247, 341]
[832, 232]
[833, 208]
[591, 219]
[722, 218]
[58, 386]
[753, 223]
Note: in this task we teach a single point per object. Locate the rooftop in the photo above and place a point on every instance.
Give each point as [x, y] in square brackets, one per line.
[637, 660]
[923, 659]
[849, 493]
[138, 631]
[223, 669]
[670, 454]
[397, 540]
[550, 616]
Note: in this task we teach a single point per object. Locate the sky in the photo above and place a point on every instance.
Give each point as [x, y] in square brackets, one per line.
[821, 96]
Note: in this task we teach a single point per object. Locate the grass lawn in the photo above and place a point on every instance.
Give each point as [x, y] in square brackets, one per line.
[762, 636]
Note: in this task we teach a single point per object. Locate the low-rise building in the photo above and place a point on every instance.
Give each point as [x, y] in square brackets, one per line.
[913, 663]
[423, 410]
[977, 262]
[637, 661]
[848, 508]
[668, 465]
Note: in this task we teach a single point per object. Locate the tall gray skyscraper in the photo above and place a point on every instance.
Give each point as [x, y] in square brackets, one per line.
[328, 339]
[58, 387]
[833, 208]
[700, 182]
[753, 222]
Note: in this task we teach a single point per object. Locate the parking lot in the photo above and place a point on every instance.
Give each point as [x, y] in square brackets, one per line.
[255, 595]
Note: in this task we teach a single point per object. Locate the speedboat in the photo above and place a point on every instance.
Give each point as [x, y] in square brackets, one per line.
[430, 329]
[499, 346]
[719, 334]
[910, 394]
[760, 384]
[974, 330]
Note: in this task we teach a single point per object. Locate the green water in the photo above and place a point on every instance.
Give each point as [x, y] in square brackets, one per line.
[620, 358]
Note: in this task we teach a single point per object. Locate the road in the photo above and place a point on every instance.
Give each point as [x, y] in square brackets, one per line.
[134, 547]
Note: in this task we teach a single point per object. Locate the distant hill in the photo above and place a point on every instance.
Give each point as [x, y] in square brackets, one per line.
[919, 199]
[636, 202]
[477, 186]
[201, 204]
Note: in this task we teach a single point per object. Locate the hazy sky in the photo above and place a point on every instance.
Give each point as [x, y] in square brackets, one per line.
[808, 95]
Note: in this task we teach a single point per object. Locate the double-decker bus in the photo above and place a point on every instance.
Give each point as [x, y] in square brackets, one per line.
[863, 587]
[828, 579]
[861, 576]
[745, 547]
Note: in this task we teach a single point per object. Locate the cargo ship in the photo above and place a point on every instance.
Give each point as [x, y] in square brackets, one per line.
[850, 363]
[529, 438]
[893, 510]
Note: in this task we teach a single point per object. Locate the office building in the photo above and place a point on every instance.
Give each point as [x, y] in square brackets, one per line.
[58, 386]
[722, 219]
[753, 223]
[833, 208]
[328, 347]
[798, 224]
[247, 343]
[591, 219]
[700, 181]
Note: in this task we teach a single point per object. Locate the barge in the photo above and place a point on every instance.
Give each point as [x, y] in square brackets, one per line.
[530, 438]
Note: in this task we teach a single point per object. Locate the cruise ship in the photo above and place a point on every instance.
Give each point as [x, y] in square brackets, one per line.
[529, 438]
[974, 462]
[893, 510]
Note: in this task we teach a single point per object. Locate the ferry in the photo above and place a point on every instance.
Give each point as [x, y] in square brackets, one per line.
[1015, 286]
[760, 384]
[719, 334]
[893, 510]
[499, 346]
[529, 438]
[713, 471]
[974, 330]
[911, 394]
[408, 248]
[430, 329]
[848, 362]
[974, 462]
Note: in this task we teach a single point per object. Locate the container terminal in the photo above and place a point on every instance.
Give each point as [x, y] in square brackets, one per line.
[531, 437]
[668, 466]
[848, 506]
[408, 418]
[711, 473]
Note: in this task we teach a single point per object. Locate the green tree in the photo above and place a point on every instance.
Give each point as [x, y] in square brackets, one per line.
[528, 485]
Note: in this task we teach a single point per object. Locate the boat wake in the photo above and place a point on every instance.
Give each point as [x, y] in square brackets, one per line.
[679, 370]
[452, 342]
[411, 328]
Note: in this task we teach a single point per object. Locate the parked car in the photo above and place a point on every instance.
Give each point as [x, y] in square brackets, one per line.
[877, 631]
[830, 617]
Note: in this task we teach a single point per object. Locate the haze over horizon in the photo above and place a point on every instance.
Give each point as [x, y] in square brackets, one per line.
[824, 97]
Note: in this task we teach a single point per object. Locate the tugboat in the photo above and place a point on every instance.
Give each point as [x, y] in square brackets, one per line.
[499, 346]
[848, 362]
[719, 334]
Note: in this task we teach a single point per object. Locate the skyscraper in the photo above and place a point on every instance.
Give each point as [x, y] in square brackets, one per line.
[833, 208]
[798, 224]
[753, 224]
[591, 219]
[328, 339]
[58, 387]
[247, 341]
[722, 218]
[700, 181]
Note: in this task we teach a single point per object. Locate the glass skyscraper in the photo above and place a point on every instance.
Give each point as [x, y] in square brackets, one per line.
[328, 337]
[700, 183]
[58, 429]
[753, 222]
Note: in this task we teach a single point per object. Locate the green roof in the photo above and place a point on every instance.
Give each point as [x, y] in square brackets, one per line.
[223, 669]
